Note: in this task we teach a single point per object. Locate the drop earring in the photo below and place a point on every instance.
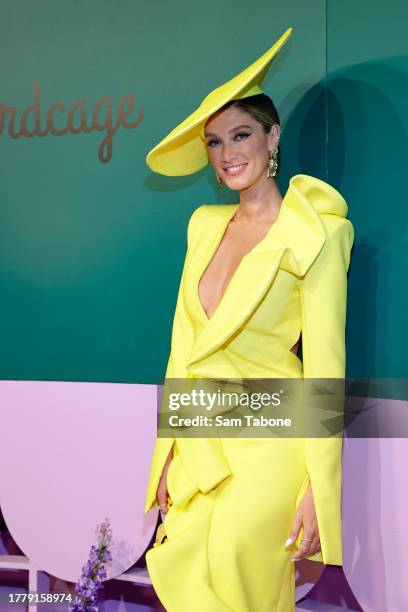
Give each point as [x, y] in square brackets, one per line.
[219, 180]
[273, 163]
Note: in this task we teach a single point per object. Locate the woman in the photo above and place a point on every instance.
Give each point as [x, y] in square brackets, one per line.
[259, 277]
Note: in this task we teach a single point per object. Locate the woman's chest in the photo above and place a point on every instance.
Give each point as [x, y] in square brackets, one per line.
[221, 267]
[254, 289]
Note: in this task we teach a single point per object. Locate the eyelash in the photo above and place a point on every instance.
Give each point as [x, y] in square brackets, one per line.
[210, 142]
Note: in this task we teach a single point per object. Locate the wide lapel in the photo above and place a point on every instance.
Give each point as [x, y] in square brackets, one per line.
[292, 243]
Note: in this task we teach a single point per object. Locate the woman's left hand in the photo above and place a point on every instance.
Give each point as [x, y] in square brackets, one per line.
[306, 516]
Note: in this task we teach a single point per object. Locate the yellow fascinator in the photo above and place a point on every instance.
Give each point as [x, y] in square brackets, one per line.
[183, 150]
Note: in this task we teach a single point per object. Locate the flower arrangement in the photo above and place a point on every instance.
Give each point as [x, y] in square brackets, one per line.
[88, 587]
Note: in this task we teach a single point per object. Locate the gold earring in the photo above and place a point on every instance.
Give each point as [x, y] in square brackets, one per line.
[273, 163]
[219, 180]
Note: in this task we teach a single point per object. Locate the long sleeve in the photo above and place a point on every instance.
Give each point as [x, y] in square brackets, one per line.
[181, 342]
[323, 293]
[182, 334]
[199, 463]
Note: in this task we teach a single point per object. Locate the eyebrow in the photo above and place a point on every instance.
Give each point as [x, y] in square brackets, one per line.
[239, 127]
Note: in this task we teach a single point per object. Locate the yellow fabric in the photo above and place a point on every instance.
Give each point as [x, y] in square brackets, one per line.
[233, 500]
[183, 150]
[252, 91]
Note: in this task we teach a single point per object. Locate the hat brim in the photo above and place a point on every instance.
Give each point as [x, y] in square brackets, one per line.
[183, 150]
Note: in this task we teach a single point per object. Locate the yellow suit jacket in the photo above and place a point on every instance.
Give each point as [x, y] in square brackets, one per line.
[294, 280]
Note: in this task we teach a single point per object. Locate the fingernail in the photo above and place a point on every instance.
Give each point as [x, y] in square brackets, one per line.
[288, 542]
[295, 559]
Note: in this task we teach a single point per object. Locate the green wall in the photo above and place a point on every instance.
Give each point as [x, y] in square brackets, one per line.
[367, 156]
[91, 252]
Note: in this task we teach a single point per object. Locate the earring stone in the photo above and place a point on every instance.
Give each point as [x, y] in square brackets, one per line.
[273, 163]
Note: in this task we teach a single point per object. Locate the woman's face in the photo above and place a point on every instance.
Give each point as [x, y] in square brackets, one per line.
[238, 147]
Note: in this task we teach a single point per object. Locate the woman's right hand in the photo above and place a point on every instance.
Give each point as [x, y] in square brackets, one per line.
[162, 491]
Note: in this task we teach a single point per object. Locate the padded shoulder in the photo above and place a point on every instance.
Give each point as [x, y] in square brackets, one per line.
[192, 223]
[324, 198]
[204, 212]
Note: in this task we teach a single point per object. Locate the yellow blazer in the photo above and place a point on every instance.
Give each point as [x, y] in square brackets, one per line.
[293, 281]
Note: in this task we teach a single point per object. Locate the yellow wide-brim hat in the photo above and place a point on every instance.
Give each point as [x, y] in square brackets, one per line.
[183, 151]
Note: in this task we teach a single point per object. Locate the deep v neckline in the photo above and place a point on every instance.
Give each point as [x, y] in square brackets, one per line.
[219, 236]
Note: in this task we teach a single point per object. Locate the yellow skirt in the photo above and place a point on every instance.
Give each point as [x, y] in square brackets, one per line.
[225, 550]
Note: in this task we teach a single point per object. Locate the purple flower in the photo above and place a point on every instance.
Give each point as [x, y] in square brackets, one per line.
[90, 583]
